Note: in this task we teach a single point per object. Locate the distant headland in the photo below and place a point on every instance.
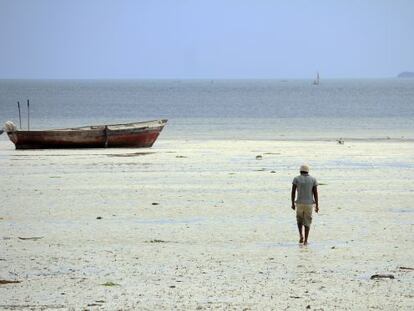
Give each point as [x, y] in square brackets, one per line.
[406, 74]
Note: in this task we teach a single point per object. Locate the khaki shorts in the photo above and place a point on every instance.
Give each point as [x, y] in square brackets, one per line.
[304, 214]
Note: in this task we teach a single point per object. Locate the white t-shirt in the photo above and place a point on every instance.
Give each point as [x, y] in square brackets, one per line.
[304, 184]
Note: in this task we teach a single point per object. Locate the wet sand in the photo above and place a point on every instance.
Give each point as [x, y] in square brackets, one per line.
[206, 225]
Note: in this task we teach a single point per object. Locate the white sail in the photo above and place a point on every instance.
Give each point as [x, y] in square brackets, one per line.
[316, 81]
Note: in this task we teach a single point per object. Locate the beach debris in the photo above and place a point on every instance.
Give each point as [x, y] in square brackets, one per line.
[406, 268]
[155, 203]
[156, 241]
[34, 238]
[295, 297]
[340, 141]
[308, 307]
[272, 172]
[99, 217]
[97, 303]
[2, 282]
[259, 157]
[382, 276]
[134, 154]
[110, 284]
[261, 170]
[172, 286]
[181, 157]
[35, 307]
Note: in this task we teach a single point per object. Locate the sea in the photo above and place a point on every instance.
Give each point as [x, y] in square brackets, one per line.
[366, 109]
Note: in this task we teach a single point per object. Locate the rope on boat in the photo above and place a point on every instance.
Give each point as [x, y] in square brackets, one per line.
[9, 126]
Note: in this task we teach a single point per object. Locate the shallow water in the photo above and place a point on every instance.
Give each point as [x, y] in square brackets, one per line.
[222, 109]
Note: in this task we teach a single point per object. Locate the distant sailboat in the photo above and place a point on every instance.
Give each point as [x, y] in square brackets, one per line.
[316, 81]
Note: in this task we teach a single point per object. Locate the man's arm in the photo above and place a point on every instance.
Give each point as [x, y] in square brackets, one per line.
[293, 195]
[315, 195]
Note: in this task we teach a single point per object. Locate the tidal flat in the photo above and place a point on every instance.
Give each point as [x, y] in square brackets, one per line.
[206, 224]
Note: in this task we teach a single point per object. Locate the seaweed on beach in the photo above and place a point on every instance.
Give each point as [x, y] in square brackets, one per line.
[407, 268]
[127, 155]
[35, 238]
[382, 276]
[109, 284]
[2, 282]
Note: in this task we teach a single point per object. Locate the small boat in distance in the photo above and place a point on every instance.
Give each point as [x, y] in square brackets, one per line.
[132, 135]
[316, 81]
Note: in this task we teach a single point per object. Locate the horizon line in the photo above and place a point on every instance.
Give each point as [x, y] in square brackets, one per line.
[199, 78]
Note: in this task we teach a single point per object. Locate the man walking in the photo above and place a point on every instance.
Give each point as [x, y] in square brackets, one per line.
[306, 187]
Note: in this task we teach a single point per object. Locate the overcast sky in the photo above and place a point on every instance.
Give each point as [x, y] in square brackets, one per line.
[205, 39]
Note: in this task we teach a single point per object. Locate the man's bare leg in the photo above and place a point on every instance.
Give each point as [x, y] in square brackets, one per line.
[300, 226]
[307, 229]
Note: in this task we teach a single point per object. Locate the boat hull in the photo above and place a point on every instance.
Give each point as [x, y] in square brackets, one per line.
[134, 135]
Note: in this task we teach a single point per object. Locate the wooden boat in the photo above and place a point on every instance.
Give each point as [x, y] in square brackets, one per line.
[136, 135]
